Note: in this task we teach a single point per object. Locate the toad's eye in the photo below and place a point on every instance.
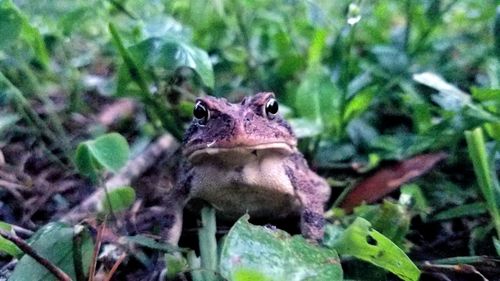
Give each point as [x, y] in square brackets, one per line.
[271, 108]
[201, 113]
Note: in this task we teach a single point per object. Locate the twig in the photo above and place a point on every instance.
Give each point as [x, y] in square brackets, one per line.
[164, 145]
[97, 246]
[27, 249]
[115, 267]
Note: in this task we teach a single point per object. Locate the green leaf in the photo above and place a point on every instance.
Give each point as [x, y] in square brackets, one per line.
[110, 151]
[273, 255]
[472, 209]
[13, 23]
[10, 23]
[486, 179]
[175, 264]
[6, 246]
[305, 128]
[317, 46]
[119, 198]
[85, 163]
[151, 243]
[250, 275]
[54, 242]
[163, 56]
[390, 219]
[363, 242]
[319, 99]
[359, 103]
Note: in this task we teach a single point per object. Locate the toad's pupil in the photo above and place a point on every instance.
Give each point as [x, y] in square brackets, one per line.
[272, 106]
[199, 111]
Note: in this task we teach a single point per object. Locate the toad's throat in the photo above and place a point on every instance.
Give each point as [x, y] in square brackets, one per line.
[275, 147]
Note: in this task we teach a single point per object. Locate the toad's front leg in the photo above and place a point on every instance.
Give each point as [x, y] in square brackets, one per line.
[313, 192]
[175, 202]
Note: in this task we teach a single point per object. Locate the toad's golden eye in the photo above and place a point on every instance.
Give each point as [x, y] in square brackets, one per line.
[271, 108]
[201, 113]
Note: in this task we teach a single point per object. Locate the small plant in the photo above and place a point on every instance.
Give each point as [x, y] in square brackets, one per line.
[109, 152]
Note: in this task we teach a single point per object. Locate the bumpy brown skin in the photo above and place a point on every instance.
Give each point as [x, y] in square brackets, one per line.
[244, 160]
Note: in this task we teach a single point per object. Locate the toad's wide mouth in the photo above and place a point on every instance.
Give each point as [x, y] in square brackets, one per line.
[279, 147]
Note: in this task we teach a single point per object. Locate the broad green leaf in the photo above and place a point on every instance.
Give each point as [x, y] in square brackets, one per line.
[54, 242]
[163, 56]
[273, 255]
[119, 198]
[10, 23]
[110, 151]
[85, 162]
[250, 275]
[331, 154]
[6, 246]
[319, 99]
[305, 128]
[363, 242]
[390, 219]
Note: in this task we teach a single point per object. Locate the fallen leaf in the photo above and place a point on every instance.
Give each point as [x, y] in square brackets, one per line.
[390, 178]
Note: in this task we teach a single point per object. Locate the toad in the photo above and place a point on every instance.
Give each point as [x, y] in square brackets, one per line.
[243, 158]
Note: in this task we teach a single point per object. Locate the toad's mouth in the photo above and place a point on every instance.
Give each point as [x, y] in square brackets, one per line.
[275, 147]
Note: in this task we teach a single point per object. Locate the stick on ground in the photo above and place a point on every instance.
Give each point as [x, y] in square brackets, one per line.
[27, 249]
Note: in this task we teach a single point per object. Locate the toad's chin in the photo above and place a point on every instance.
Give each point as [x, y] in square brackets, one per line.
[239, 151]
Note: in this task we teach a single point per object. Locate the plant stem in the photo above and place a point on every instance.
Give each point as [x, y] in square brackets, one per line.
[208, 243]
[194, 265]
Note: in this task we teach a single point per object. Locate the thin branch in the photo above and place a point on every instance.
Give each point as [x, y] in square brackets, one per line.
[97, 246]
[27, 249]
[115, 267]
